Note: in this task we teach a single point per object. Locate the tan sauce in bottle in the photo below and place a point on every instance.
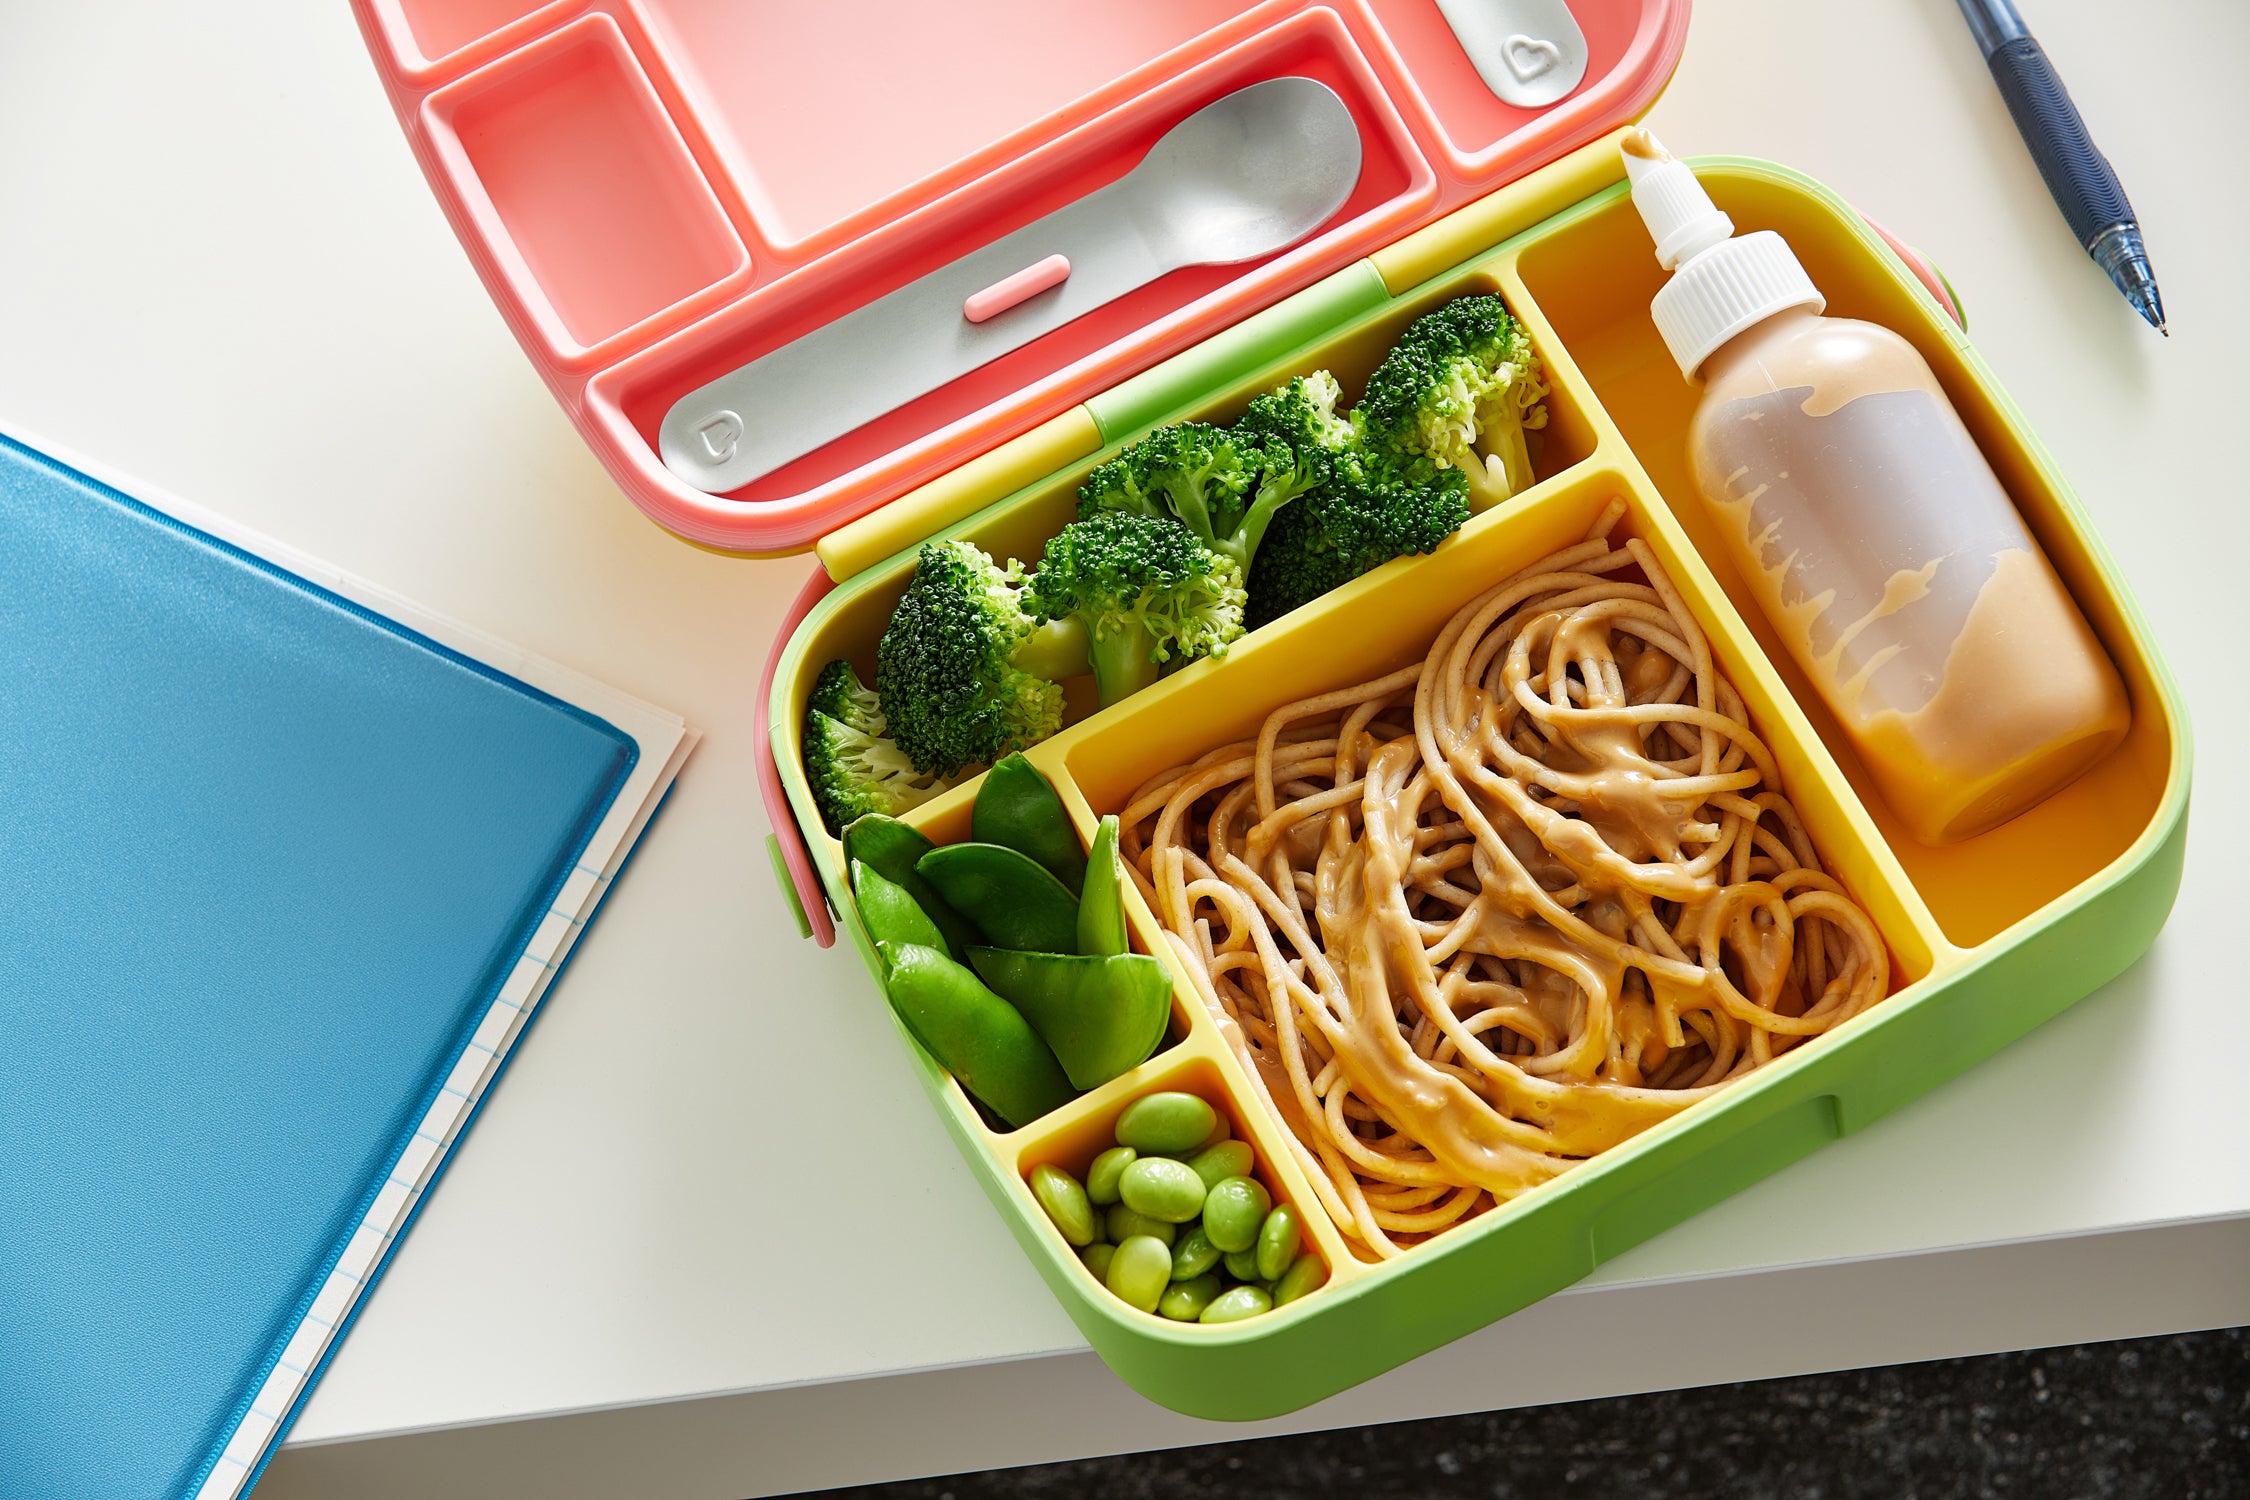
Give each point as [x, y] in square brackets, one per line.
[1893, 565]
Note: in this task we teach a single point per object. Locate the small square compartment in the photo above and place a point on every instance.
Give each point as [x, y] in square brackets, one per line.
[945, 820]
[1484, 136]
[1072, 1137]
[431, 34]
[1592, 276]
[599, 217]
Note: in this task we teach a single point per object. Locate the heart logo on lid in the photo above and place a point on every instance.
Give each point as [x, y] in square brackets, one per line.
[1528, 56]
[719, 435]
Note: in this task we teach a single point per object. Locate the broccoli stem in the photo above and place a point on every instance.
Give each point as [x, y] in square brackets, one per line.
[1122, 661]
[1510, 449]
[1243, 546]
[1056, 650]
[1503, 470]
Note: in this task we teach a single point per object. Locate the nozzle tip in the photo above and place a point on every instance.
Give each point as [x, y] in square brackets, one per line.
[1640, 143]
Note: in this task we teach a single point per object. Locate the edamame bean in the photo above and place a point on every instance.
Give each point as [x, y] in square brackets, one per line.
[1184, 1301]
[1162, 1189]
[1278, 1240]
[1220, 1130]
[1140, 1271]
[1234, 1211]
[1215, 1164]
[1167, 1124]
[1101, 1177]
[1242, 1302]
[1123, 1224]
[1242, 1265]
[1308, 1274]
[1065, 1202]
[1097, 1257]
[1193, 1254]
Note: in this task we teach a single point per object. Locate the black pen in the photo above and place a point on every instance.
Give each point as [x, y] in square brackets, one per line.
[2086, 189]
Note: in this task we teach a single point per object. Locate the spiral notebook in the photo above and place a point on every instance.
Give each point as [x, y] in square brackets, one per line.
[286, 868]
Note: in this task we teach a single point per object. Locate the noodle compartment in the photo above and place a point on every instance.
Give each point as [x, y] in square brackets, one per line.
[1485, 917]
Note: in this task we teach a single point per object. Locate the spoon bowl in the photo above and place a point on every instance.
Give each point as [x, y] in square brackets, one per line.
[1251, 173]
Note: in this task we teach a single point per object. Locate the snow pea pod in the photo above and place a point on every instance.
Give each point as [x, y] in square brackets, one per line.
[1101, 904]
[890, 848]
[1017, 808]
[1011, 899]
[889, 913]
[975, 1035]
[1101, 1016]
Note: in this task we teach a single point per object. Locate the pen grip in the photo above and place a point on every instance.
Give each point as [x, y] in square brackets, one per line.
[2080, 177]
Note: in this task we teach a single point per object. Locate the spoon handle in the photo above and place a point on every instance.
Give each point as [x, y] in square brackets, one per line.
[906, 343]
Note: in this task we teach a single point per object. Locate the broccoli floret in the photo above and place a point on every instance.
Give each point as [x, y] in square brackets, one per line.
[1144, 588]
[964, 671]
[839, 693]
[1372, 509]
[1223, 486]
[1302, 413]
[853, 766]
[1461, 388]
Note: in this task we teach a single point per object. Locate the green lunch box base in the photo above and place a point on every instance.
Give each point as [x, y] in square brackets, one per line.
[1988, 939]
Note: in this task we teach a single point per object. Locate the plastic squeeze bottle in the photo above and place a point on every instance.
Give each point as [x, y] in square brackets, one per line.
[1871, 530]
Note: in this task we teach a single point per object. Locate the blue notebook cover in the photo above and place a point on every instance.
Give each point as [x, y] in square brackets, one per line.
[281, 880]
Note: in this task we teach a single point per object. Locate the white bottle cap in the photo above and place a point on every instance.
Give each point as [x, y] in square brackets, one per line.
[1720, 285]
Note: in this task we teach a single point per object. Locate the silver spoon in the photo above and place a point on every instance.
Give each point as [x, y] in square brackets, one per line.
[1245, 176]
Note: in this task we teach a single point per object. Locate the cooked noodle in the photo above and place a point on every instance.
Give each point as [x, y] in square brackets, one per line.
[1479, 919]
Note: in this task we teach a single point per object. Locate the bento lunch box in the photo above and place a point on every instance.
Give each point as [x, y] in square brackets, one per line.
[647, 220]
[1988, 937]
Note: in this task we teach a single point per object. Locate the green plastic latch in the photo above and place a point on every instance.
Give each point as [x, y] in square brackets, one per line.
[1151, 397]
[788, 886]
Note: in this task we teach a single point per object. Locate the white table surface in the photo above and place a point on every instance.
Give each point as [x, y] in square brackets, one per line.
[707, 1240]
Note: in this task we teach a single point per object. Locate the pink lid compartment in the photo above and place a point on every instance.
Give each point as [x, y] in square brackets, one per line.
[583, 193]
[658, 191]
[431, 39]
[1631, 47]
[828, 120]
